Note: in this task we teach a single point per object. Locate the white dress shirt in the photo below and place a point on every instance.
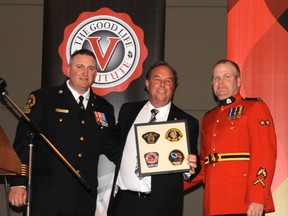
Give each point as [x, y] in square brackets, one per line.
[127, 179]
[76, 95]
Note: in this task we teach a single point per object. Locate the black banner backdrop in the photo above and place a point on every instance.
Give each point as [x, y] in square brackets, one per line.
[60, 15]
[149, 15]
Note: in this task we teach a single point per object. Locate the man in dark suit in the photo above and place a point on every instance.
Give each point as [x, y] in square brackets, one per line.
[156, 195]
[80, 133]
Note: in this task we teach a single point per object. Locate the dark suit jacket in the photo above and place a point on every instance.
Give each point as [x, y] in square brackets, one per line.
[167, 189]
[78, 137]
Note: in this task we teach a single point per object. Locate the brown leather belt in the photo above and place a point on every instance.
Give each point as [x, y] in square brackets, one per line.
[214, 158]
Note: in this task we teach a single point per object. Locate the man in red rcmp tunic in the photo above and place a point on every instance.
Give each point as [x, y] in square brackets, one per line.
[238, 149]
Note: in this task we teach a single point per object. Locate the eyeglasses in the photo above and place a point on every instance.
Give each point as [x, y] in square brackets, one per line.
[81, 67]
[225, 77]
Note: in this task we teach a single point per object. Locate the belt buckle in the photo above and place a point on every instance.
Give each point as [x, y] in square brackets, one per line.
[213, 158]
[143, 194]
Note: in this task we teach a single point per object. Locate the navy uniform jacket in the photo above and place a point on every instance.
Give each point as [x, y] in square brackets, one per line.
[78, 136]
[167, 189]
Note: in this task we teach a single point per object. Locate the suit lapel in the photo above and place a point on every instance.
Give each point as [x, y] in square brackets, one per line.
[132, 115]
[135, 111]
[172, 113]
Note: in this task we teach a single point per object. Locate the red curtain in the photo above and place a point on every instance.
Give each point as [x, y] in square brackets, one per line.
[257, 39]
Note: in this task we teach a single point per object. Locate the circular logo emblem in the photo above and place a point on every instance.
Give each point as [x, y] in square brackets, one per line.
[117, 43]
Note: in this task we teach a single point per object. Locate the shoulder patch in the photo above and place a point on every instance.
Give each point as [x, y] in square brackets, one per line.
[30, 103]
[252, 99]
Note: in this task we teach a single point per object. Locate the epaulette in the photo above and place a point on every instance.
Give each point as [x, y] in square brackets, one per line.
[253, 99]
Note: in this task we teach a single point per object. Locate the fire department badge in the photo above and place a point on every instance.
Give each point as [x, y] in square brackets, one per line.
[151, 137]
[173, 135]
[151, 159]
[176, 157]
[30, 103]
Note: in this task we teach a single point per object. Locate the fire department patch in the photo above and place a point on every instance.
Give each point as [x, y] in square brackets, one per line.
[151, 137]
[30, 103]
[173, 135]
[151, 159]
[176, 157]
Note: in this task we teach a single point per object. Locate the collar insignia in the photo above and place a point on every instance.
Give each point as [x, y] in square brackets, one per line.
[226, 101]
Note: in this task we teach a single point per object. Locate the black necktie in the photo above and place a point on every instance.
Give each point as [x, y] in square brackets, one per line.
[154, 112]
[81, 98]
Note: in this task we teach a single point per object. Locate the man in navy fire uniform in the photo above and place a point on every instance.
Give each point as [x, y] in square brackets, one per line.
[79, 131]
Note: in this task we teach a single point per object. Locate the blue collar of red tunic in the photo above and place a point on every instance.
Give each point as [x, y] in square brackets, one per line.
[226, 101]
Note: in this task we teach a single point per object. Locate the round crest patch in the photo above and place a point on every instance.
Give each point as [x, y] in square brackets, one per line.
[117, 43]
[173, 135]
[176, 157]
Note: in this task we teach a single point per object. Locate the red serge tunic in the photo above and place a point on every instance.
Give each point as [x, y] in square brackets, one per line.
[238, 156]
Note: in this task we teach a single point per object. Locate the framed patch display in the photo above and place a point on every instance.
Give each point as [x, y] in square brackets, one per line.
[162, 147]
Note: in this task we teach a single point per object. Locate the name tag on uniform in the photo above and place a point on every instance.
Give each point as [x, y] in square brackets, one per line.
[61, 110]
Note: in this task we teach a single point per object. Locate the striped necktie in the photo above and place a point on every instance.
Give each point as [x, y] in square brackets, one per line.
[154, 112]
